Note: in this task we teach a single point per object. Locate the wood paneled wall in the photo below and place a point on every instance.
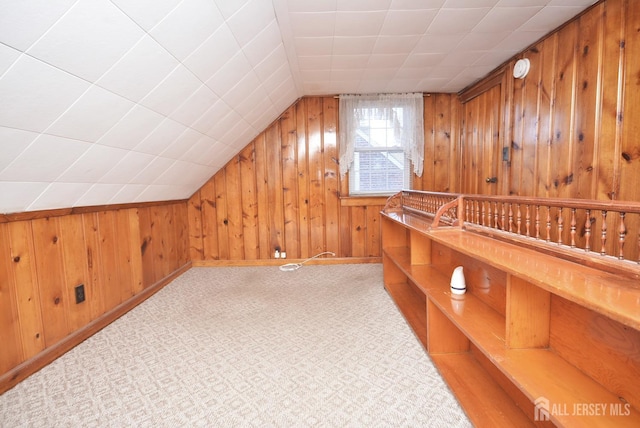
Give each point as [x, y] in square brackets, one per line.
[117, 255]
[571, 126]
[284, 189]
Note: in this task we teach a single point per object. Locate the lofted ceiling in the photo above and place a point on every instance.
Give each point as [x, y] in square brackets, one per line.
[119, 101]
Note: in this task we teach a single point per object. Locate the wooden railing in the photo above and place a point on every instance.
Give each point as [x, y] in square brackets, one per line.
[602, 233]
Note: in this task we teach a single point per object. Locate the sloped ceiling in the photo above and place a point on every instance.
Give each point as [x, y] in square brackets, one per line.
[108, 102]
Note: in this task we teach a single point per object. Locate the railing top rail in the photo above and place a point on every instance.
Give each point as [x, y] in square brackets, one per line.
[619, 206]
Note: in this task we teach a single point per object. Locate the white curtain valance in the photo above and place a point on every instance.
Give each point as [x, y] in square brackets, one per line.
[409, 131]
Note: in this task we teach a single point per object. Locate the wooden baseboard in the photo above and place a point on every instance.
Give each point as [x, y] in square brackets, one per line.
[278, 262]
[27, 368]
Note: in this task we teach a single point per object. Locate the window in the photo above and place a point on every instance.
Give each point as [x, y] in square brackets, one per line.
[381, 136]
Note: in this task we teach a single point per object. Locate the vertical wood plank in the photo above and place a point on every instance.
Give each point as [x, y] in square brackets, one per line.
[94, 290]
[75, 270]
[316, 175]
[221, 214]
[546, 94]
[249, 203]
[358, 232]
[442, 144]
[209, 220]
[331, 173]
[11, 354]
[373, 246]
[54, 304]
[147, 247]
[273, 168]
[303, 178]
[427, 182]
[262, 185]
[234, 204]
[23, 272]
[194, 212]
[110, 278]
[288, 138]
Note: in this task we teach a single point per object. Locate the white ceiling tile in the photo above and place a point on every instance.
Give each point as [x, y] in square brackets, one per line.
[202, 152]
[91, 116]
[88, 39]
[212, 116]
[44, 159]
[127, 168]
[139, 70]
[128, 193]
[172, 91]
[152, 170]
[92, 165]
[314, 62]
[280, 75]
[242, 90]
[147, 13]
[309, 46]
[501, 19]
[264, 43]
[182, 144]
[492, 58]
[359, 24]
[12, 143]
[16, 196]
[354, 45]
[223, 124]
[229, 7]
[395, 44]
[59, 195]
[347, 74]
[350, 61]
[453, 21]
[573, 3]
[34, 94]
[521, 3]
[424, 60]
[216, 51]
[98, 194]
[407, 73]
[24, 22]
[132, 128]
[386, 61]
[469, 4]
[185, 174]
[161, 137]
[482, 42]
[416, 4]
[200, 17]
[518, 40]
[438, 43]
[552, 16]
[407, 22]
[271, 63]
[402, 85]
[8, 56]
[313, 24]
[363, 5]
[251, 19]
[315, 75]
[229, 75]
[311, 5]
[461, 59]
[195, 106]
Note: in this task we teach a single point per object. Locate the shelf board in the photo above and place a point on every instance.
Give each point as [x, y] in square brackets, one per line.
[484, 401]
[412, 307]
[614, 296]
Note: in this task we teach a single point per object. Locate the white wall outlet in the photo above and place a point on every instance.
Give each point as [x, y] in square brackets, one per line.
[277, 254]
[283, 255]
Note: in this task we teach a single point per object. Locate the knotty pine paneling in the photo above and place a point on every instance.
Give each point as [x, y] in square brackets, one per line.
[284, 189]
[116, 254]
[571, 125]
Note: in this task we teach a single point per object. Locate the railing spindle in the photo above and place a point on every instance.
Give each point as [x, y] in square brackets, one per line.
[622, 233]
[573, 228]
[518, 219]
[560, 225]
[510, 217]
[548, 224]
[587, 232]
[537, 221]
[528, 221]
[603, 237]
[495, 215]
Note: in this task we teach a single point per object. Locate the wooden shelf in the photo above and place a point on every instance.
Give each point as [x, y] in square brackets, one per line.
[503, 347]
[616, 297]
[409, 303]
[485, 402]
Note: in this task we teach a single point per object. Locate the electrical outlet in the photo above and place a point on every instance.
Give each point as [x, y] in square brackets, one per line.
[283, 255]
[80, 293]
[276, 254]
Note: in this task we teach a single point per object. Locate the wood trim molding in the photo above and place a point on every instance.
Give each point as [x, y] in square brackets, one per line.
[363, 201]
[32, 215]
[471, 92]
[276, 262]
[27, 368]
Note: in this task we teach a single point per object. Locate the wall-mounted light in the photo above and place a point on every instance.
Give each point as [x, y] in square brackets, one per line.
[521, 68]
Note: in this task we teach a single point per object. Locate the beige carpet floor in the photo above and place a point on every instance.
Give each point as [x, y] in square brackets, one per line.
[323, 346]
